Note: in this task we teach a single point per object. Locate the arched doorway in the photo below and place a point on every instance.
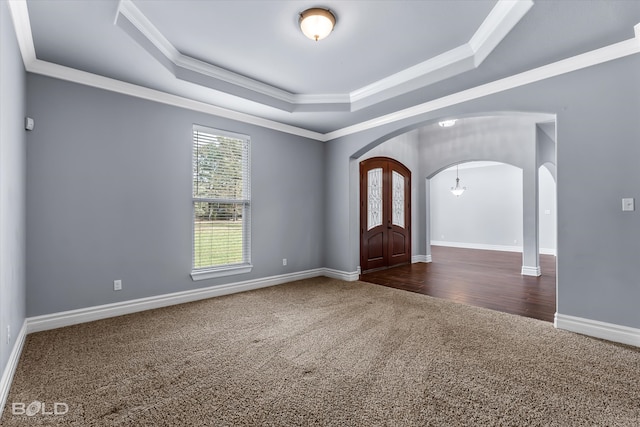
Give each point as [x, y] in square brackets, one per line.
[486, 216]
[514, 140]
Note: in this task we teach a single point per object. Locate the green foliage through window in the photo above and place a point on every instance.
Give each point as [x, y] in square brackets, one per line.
[220, 198]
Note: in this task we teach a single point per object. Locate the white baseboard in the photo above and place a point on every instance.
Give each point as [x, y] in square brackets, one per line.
[420, 258]
[531, 271]
[12, 364]
[482, 246]
[487, 247]
[597, 329]
[342, 275]
[73, 317]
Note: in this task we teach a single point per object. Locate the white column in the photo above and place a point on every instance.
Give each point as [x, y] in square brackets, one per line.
[530, 242]
[427, 226]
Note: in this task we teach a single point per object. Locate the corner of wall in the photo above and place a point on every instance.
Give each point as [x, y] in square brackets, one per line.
[12, 202]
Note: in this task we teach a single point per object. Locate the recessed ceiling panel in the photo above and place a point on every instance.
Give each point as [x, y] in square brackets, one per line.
[262, 40]
[372, 41]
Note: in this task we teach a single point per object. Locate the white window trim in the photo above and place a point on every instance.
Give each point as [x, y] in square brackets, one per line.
[227, 270]
[231, 269]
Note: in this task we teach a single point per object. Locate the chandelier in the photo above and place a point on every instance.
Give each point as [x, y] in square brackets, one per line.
[457, 190]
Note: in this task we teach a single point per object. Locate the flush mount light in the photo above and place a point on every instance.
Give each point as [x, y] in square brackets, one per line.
[447, 123]
[317, 23]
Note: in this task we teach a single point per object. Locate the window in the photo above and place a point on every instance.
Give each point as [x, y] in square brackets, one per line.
[221, 204]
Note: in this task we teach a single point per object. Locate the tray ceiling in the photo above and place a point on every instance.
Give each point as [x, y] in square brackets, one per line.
[250, 57]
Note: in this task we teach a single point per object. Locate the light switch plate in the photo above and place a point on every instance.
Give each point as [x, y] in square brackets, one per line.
[628, 204]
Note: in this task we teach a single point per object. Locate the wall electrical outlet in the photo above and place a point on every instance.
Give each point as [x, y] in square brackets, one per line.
[628, 204]
[8, 334]
[284, 261]
[117, 285]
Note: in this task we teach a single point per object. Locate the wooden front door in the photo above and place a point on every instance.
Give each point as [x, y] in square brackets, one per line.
[385, 214]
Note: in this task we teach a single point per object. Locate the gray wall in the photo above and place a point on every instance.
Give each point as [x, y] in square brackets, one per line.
[12, 186]
[490, 212]
[109, 197]
[503, 138]
[598, 131]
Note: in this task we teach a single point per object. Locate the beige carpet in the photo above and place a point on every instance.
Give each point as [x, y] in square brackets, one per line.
[325, 352]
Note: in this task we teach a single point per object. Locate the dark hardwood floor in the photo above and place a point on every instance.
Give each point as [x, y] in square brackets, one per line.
[490, 279]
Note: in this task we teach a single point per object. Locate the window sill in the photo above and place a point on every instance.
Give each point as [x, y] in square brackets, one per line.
[211, 273]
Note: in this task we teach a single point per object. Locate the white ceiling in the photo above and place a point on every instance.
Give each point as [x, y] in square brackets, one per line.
[383, 56]
[262, 40]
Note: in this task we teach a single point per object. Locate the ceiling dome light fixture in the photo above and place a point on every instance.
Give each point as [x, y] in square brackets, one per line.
[317, 23]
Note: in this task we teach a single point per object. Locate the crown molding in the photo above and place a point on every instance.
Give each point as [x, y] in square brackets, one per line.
[500, 21]
[22, 27]
[578, 62]
[136, 25]
[445, 65]
[82, 77]
[128, 10]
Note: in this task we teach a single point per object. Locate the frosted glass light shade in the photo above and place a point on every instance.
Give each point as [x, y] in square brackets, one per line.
[317, 23]
[458, 190]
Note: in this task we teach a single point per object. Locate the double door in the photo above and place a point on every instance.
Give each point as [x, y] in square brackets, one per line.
[385, 214]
